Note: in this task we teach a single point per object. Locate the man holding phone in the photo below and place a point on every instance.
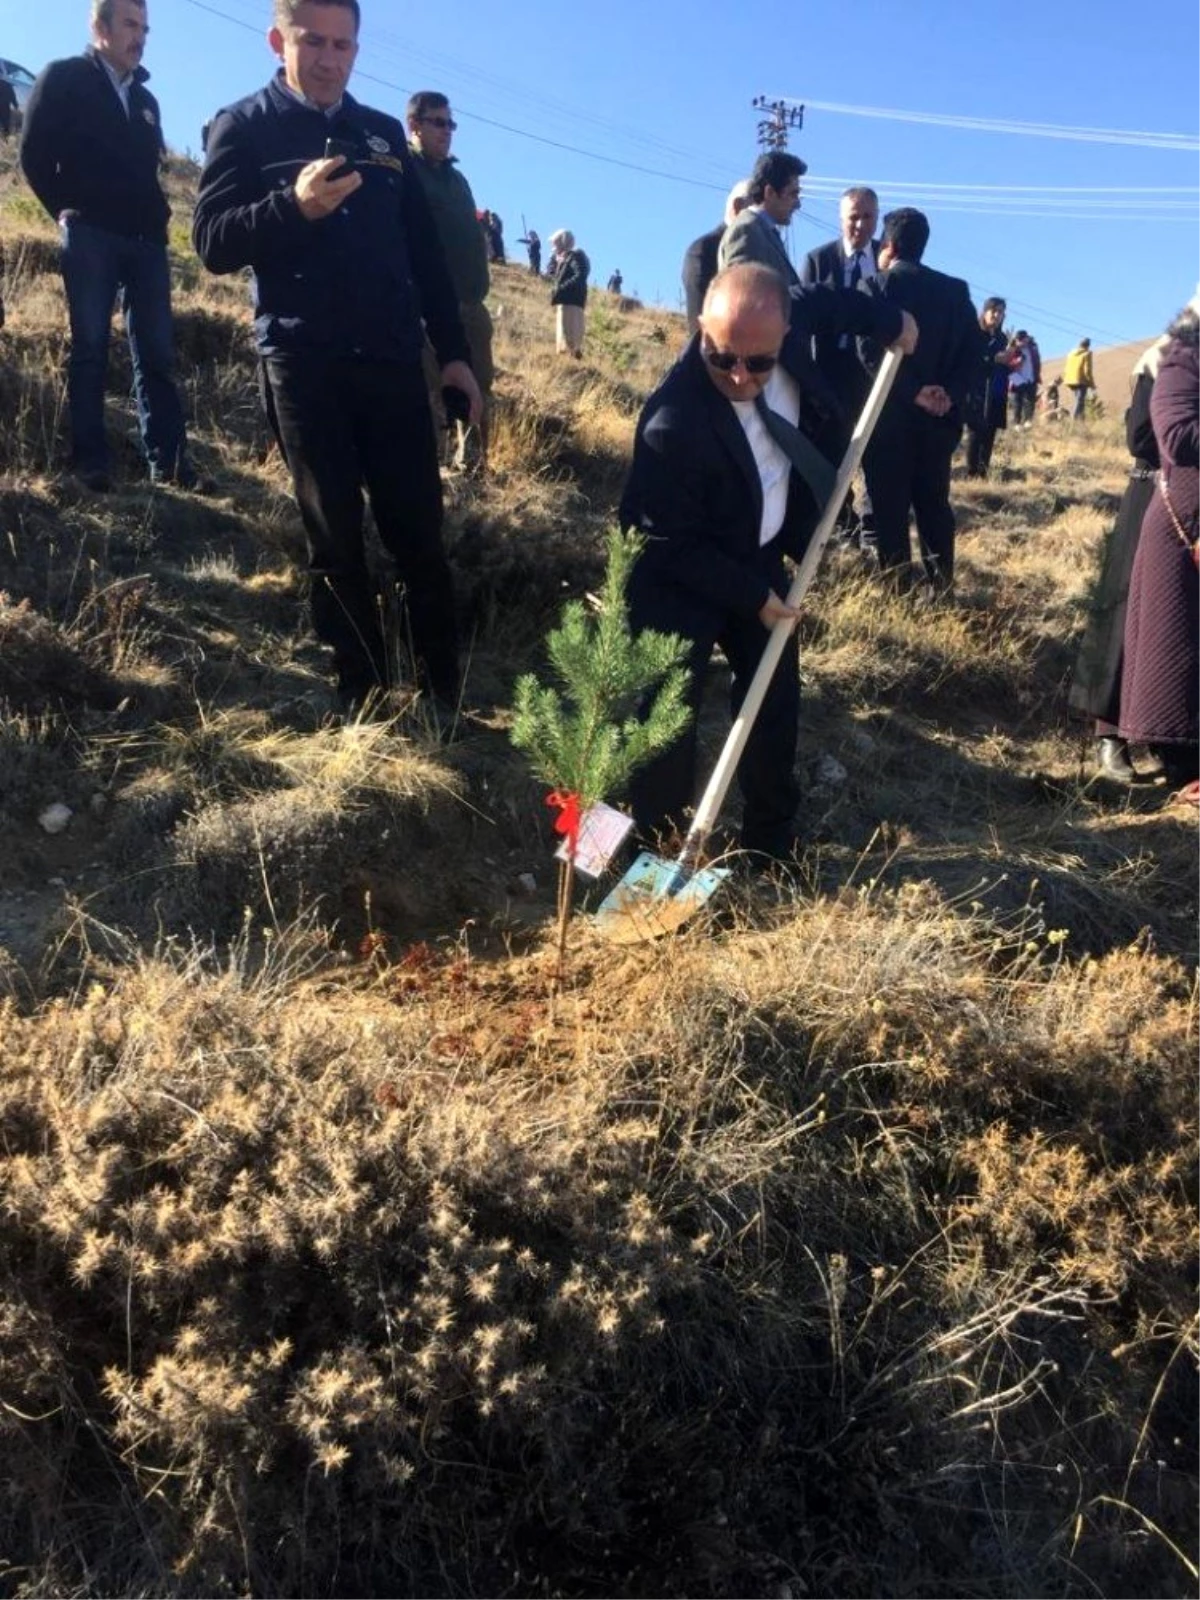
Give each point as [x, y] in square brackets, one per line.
[318, 195]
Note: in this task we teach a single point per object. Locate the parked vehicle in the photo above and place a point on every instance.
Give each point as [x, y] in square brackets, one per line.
[22, 82]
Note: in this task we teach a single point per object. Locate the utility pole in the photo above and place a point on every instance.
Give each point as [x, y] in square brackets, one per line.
[778, 119]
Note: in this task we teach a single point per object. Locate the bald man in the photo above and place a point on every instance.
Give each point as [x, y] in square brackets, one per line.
[721, 504]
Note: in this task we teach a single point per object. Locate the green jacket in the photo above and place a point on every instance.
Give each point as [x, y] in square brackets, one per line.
[453, 206]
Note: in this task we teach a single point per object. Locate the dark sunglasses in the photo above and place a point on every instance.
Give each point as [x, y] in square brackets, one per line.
[440, 122]
[725, 361]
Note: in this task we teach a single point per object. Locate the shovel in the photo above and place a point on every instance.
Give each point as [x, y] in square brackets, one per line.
[656, 896]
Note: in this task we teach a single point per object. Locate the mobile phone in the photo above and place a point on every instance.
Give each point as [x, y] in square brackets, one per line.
[348, 153]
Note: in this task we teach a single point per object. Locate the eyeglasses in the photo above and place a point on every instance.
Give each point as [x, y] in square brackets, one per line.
[725, 361]
[440, 122]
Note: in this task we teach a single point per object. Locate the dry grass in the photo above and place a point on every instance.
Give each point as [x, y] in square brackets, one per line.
[844, 1243]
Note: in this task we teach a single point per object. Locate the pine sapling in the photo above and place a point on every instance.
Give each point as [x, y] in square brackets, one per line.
[588, 732]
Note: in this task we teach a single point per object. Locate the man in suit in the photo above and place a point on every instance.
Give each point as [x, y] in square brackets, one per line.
[844, 263]
[720, 502]
[907, 463]
[700, 257]
[774, 196]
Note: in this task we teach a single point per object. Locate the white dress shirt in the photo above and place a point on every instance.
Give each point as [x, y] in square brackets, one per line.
[782, 394]
[121, 85]
[866, 267]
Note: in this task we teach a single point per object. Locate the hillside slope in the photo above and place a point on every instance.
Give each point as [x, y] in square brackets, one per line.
[843, 1244]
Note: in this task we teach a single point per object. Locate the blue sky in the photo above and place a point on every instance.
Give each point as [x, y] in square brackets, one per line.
[668, 87]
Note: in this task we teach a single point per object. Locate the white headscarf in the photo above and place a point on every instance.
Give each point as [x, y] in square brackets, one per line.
[1148, 361]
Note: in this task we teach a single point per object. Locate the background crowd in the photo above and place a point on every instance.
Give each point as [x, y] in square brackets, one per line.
[313, 191]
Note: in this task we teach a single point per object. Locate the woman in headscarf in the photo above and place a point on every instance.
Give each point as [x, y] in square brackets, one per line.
[1096, 683]
[1160, 682]
[569, 294]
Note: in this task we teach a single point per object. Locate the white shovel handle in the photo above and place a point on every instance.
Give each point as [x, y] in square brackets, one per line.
[718, 785]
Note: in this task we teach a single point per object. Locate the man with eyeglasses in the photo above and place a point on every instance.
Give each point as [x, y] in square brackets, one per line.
[320, 196]
[725, 483]
[431, 129]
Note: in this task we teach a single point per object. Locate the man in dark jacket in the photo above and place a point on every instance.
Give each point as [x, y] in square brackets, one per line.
[844, 263]
[341, 245]
[987, 399]
[720, 503]
[91, 148]
[431, 129]
[907, 463]
[700, 257]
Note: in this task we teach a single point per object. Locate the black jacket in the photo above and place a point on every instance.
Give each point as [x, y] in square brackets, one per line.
[827, 263]
[987, 399]
[571, 279]
[81, 153]
[699, 270]
[694, 491]
[838, 364]
[950, 341]
[353, 284]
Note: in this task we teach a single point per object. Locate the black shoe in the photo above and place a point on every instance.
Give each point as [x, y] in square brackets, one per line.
[1179, 763]
[1112, 757]
[186, 478]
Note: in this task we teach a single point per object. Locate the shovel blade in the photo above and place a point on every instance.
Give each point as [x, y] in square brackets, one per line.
[654, 898]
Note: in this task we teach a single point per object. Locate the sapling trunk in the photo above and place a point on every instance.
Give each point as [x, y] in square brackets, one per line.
[566, 887]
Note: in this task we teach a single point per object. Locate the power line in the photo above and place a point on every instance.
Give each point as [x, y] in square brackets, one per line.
[1036, 130]
[1005, 188]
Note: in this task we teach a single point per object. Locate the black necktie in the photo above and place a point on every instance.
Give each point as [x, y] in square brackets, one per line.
[803, 455]
[855, 279]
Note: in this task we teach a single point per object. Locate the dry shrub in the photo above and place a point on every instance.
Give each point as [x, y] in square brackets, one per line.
[725, 1274]
[42, 668]
[874, 645]
[349, 819]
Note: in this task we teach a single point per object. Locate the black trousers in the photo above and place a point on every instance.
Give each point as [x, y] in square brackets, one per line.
[980, 439]
[663, 791]
[345, 426]
[907, 467]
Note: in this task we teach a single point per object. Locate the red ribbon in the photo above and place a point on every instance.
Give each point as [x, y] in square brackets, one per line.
[569, 817]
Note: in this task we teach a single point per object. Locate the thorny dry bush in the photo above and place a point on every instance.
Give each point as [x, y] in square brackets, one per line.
[813, 1266]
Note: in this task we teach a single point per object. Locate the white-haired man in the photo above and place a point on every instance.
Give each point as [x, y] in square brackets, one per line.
[700, 257]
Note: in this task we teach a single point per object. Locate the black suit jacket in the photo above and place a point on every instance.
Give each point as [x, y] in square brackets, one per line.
[827, 263]
[949, 347]
[694, 490]
[699, 270]
[841, 367]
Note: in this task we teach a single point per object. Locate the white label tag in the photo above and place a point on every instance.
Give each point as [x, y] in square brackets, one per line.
[602, 831]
